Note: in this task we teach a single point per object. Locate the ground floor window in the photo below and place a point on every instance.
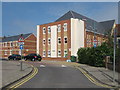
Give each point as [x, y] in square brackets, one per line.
[49, 53]
[65, 53]
[59, 53]
[44, 53]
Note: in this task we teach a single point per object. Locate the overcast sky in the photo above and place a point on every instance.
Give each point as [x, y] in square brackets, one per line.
[22, 17]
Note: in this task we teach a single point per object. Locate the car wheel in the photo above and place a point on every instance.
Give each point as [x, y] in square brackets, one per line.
[33, 59]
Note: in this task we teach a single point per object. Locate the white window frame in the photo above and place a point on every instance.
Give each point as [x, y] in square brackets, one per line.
[59, 27]
[49, 29]
[10, 52]
[44, 53]
[65, 52]
[49, 53]
[58, 41]
[64, 40]
[59, 53]
[5, 44]
[65, 26]
[44, 42]
[49, 42]
[44, 30]
[5, 52]
[11, 43]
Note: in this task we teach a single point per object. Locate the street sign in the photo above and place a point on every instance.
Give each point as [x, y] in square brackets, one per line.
[21, 39]
[95, 43]
[21, 47]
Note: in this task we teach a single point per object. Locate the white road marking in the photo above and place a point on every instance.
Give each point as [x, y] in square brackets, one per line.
[63, 66]
[42, 65]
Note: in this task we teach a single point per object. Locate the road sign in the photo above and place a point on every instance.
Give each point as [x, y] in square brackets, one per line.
[21, 39]
[21, 47]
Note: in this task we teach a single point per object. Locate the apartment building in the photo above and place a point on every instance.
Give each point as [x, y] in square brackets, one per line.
[62, 38]
[10, 45]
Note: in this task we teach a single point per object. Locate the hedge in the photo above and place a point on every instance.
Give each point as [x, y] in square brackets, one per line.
[95, 56]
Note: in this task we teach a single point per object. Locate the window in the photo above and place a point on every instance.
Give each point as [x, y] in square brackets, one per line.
[65, 26]
[65, 53]
[65, 39]
[44, 53]
[49, 29]
[11, 44]
[44, 30]
[5, 44]
[49, 53]
[43, 41]
[59, 40]
[59, 27]
[59, 53]
[5, 52]
[49, 41]
[10, 52]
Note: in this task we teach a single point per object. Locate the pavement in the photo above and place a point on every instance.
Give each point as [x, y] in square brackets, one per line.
[11, 71]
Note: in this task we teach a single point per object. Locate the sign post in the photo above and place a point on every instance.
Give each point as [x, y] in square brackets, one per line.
[21, 43]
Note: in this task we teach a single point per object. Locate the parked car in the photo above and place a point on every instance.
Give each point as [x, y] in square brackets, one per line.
[14, 57]
[33, 57]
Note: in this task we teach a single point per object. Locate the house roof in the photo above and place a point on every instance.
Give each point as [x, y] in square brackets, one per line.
[99, 27]
[15, 38]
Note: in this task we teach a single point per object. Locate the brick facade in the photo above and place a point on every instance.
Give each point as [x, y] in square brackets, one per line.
[12, 47]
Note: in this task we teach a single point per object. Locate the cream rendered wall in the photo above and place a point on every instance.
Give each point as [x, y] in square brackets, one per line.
[54, 41]
[38, 35]
[77, 35]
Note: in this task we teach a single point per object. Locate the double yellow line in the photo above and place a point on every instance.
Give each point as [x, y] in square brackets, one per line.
[93, 80]
[35, 71]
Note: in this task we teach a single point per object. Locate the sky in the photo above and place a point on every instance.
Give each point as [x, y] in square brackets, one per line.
[23, 17]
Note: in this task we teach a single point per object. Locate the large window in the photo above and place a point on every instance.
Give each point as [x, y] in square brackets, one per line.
[65, 40]
[49, 41]
[44, 30]
[59, 53]
[49, 29]
[59, 27]
[65, 26]
[59, 40]
[49, 53]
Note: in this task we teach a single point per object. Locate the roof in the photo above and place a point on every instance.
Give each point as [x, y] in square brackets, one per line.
[15, 38]
[99, 27]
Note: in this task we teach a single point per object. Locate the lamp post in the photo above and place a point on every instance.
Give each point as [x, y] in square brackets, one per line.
[114, 60]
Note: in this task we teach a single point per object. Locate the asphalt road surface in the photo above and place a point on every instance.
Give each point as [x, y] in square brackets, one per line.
[58, 76]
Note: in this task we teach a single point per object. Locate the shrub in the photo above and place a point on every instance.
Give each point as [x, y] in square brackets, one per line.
[95, 56]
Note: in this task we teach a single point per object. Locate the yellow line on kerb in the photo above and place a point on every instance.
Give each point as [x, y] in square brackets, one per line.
[24, 80]
[93, 80]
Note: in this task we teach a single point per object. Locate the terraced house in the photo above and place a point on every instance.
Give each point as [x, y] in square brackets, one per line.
[10, 45]
[62, 38]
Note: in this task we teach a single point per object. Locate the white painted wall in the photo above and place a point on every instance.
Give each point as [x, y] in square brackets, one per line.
[54, 41]
[38, 35]
[77, 35]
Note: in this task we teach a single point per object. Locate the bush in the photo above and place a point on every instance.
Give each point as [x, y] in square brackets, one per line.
[95, 56]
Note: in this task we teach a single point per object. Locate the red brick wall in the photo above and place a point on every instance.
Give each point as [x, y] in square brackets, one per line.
[62, 40]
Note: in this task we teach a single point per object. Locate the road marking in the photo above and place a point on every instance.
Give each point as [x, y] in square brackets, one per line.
[63, 66]
[93, 80]
[35, 71]
[42, 65]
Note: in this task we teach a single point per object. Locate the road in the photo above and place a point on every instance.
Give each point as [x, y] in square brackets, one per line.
[52, 75]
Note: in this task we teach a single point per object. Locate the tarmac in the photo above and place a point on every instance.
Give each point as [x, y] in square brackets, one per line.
[11, 71]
